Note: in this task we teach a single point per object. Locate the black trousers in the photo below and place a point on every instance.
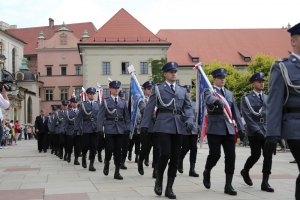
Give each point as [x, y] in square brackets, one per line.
[42, 141]
[124, 147]
[189, 143]
[90, 142]
[51, 139]
[113, 145]
[55, 140]
[147, 141]
[101, 143]
[136, 142]
[170, 149]
[69, 144]
[62, 143]
[215, 142]
[257, 143]
[295, 149]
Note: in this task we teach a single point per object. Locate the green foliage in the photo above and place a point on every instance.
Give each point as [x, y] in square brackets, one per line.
[156, 65]
[261, 63]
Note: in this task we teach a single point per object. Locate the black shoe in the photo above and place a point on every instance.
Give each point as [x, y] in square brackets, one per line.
[192, 171]
[146, 163]
[117, 174]
[140, 168]
[123, 166]
[76, 161]
[106, 168]
[228, 187]
[83, 162]
[69, 158]
[136, 158]
[246, 177]
[158, 186]
[294, 161]
[229, 190]
[91, 166]
[40, 151]
[266, 187]
[45, 151]
[180, 166]
[206, 179]
[52, 151]
[169, 189]
[265, 184]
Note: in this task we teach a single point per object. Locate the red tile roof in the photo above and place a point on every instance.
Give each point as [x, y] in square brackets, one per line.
[224, 45]
[123, 28]
[30, 35]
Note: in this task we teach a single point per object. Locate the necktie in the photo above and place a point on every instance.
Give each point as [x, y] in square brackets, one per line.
[91, 103]
[172, 88]
[43, 119]
[222, 91]
[116, 100]
[260, 97]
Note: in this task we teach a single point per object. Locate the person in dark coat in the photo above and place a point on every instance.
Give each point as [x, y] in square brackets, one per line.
[41, 130]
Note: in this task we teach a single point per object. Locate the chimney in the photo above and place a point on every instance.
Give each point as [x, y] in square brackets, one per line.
[51, 23]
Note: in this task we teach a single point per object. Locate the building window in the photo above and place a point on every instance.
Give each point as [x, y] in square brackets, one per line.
[105, 92]
[64, 94]
[49, 70]
[49, 94]
[63, 70]
[106, 68]
[144, 67]
[124, 66]
[78, 70]
[77, 91]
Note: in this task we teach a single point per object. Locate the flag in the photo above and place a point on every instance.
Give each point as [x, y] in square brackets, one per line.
[202, 83]
[83, 95]
[136, 95]
[99, 93]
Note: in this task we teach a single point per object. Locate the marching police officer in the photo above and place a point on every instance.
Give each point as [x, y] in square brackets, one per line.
[220, 130]
[114, 116]
[55, 124]
[189, 142]
[253, 108]
[71, 114]
[283, 110]
[148, 139]
[174, 117]
[51, 128]
[61, 129]
[86, 123]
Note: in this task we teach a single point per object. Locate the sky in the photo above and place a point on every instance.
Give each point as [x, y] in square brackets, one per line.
[155, 14]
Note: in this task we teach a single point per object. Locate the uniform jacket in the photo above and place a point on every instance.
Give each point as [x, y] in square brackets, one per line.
[87, 122]
[71, 115]
[279, 122]
[40, 125]
[142, 107]
[60, 122]
[168, 122]
[254, 123]
[51, 123]
[117, 122]
[218, 124]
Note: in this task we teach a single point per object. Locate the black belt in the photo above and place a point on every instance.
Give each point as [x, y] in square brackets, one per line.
[88, 119]
[291, 109]
[260, 120]
[71, 123]
[174, 111]
[116, 119]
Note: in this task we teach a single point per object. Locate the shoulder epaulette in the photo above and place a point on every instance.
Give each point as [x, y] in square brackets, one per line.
[282, 60]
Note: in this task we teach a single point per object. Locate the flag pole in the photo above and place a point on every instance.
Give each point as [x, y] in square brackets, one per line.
[131, 71]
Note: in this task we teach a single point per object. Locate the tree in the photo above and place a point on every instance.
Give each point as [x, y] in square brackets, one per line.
[156, 65]
[262, 63]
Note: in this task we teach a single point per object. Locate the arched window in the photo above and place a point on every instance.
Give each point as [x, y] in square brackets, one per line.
[13, 61]
[29, 110]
